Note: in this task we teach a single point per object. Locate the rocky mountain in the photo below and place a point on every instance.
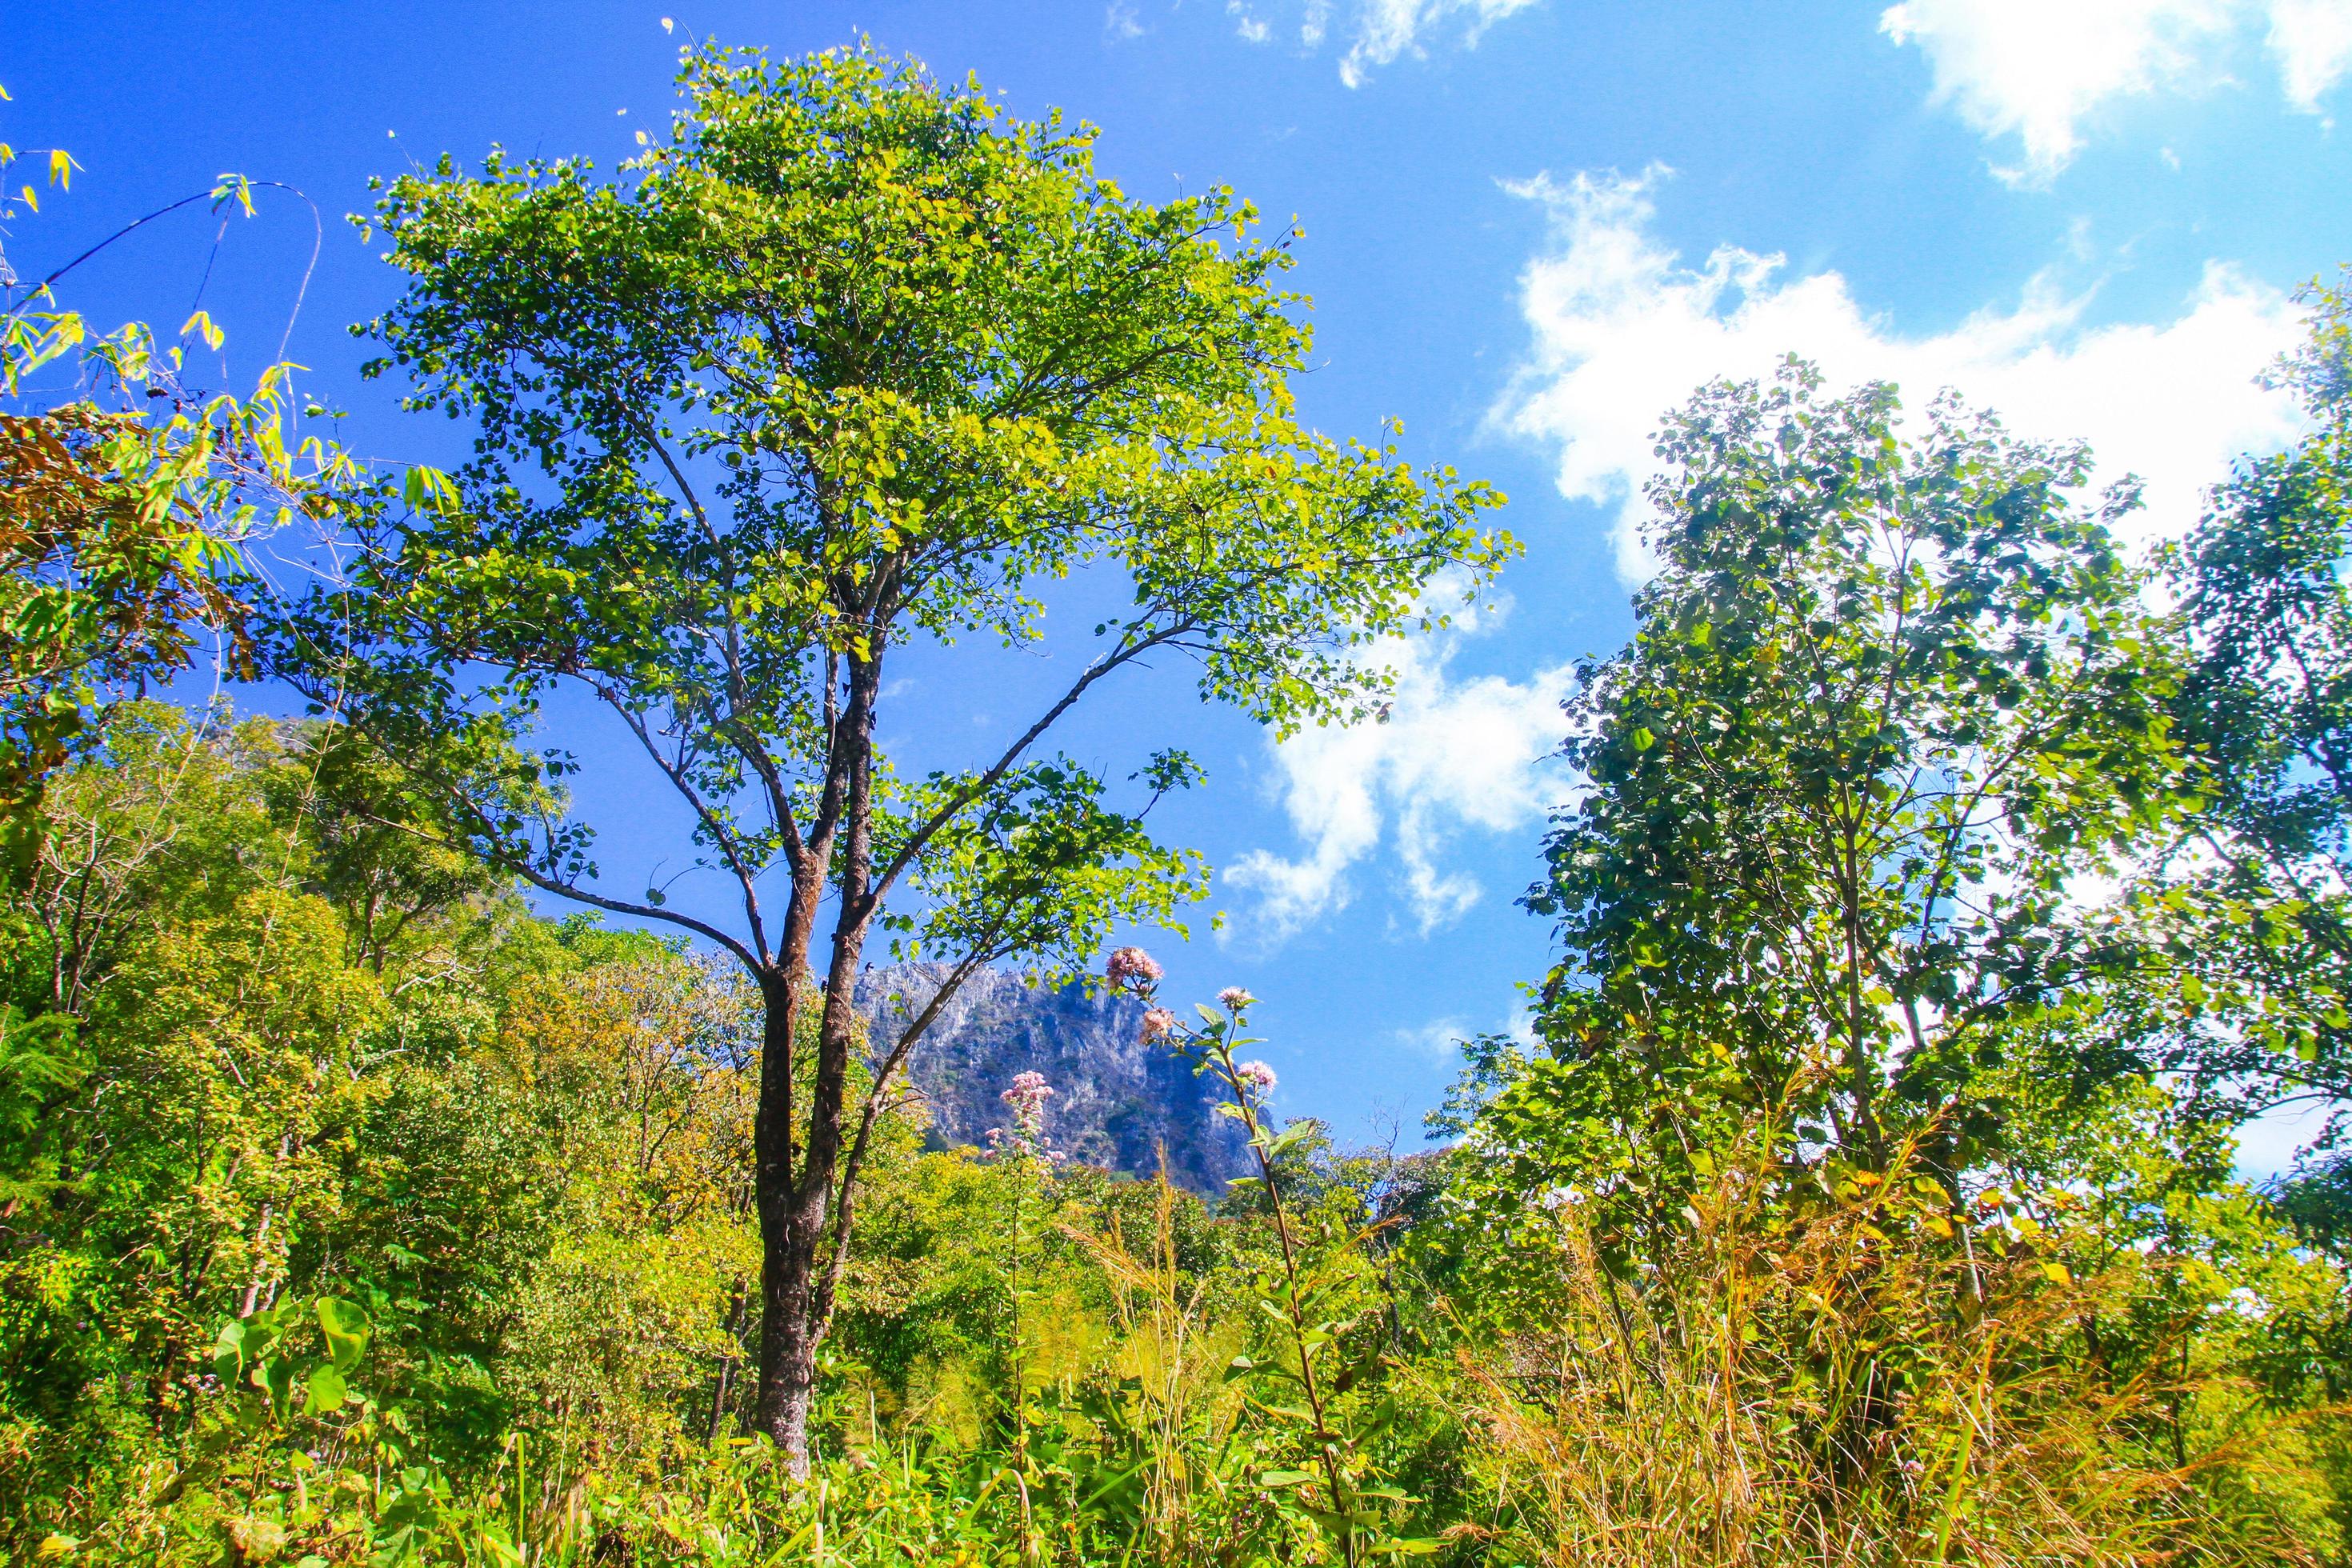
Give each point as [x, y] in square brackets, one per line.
[1117, 1101]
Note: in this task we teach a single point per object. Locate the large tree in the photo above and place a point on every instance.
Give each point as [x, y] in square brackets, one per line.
[1894, 704]
[850, 362]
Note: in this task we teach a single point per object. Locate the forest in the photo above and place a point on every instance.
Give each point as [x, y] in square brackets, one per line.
[1950, 882]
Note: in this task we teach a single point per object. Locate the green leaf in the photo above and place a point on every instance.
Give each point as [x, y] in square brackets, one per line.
[1280, 1479]
[346, 1329]
[327, 1389]
[229, 1351]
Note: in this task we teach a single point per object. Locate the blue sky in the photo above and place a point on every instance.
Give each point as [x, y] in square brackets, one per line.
[1531, 226]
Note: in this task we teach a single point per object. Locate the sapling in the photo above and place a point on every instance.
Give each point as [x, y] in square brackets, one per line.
[1305, 1291]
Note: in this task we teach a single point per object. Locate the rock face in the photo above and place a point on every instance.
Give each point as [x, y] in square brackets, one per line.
[1117, 1101]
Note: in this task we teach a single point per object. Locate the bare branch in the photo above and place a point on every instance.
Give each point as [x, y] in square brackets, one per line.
[976, 787]
[720, 832]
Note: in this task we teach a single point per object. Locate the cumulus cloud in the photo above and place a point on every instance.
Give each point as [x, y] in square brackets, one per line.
[1454, 754]
[1379, 32]
[1624, 329]
[2312, 40]
[2037, 70]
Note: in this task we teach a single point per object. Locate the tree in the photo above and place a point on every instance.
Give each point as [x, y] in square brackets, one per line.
[1892, 695]
[851, 362]
[368, 857]
[2254, 903]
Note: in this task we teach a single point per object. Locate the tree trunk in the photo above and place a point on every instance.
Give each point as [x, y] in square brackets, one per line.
[794, 1204]
[787, 1339]
[725, 1382]
[787, 1242]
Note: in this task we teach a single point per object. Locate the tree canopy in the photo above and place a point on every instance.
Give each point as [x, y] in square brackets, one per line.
[848, 362]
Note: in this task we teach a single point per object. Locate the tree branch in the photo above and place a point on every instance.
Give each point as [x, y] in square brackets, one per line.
[723, 835]
[971, 791]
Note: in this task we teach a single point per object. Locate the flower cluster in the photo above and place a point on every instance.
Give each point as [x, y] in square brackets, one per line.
[1028, 1095]
[1005, 1143]
[1026, 1099]
[1132, 969]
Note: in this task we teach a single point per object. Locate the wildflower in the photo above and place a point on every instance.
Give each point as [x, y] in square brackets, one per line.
[1256, 1076]
[1132, 969]
[1233, 998]
[1027, 1097]
[1158, 1023]
[1029, 1093]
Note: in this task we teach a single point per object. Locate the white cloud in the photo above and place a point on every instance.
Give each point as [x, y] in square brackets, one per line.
[1625, 331]
[1380, 32]
[1444, 1038]
[1120, 22]
[1440, 1037]
[1474, 753]
[1388, 28]
[2037, 70]
[2312, 42]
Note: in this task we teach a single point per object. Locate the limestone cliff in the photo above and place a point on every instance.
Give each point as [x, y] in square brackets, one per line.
[1117, 1101]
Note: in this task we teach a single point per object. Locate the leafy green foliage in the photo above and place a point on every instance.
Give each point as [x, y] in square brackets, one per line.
[2252, 904]
[1941, 903]
[1892, 698]
[118, 535]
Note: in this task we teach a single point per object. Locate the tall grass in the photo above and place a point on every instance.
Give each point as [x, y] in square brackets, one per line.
[1168, 1356]
[1831, 1383]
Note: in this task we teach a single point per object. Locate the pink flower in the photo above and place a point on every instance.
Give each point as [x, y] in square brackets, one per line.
[1158, 1023]
[1132, 969]
[1027, 1136]
[1233, 998]
[1029, 1093]
[1256, 1076]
